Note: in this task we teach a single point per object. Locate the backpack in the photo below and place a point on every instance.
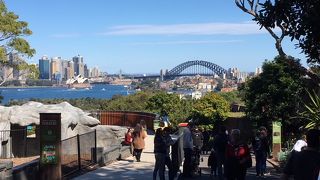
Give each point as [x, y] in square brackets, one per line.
[257, 144]
[197, 139]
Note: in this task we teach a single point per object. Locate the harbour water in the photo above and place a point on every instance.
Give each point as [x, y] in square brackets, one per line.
[99, 91]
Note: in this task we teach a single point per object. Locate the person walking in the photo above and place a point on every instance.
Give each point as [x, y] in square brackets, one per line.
[261, 151]
[139, 134]
[160, 154]
[305, 164]
[168, 142]
[219, 145]
[187, 149]
[238, 157]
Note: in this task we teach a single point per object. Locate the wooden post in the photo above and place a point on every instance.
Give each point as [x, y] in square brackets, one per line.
[95, 146]
[50, 146]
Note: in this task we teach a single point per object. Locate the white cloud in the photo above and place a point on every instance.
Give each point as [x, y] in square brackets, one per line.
[66, 35]
[186, 42]
[242, 28]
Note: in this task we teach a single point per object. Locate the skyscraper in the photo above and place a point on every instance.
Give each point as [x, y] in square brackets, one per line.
[44, 68]
[56, 68]
[78, 65]
[70, 70]
[86, 71]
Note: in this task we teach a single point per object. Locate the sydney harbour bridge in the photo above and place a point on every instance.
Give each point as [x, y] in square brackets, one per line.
[189, 68]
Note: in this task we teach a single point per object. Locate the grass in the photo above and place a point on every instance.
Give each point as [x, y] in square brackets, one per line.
[236, 114]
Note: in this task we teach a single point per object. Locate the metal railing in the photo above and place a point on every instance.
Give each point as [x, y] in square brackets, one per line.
[78, 152]
[124, 118]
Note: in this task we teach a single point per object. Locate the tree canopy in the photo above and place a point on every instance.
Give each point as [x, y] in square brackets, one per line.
[276, 93]
[163, 104]
[12, 31]
[298, 19]
[210, 108]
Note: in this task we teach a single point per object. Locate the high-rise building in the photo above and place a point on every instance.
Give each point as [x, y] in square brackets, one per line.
[78, 65]
[70, 70]
[94, 72]
[258, 71]
[86, 71]
[56, 68]
[64, 66]
[44, 67]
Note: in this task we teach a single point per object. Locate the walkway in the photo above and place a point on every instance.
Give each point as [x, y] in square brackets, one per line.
[130, 169]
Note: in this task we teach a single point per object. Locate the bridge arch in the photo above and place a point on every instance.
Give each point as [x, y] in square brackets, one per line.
[177, 71]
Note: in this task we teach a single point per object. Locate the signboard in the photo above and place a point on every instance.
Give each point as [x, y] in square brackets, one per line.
[31, 131]
[276, 132]
[50, 145]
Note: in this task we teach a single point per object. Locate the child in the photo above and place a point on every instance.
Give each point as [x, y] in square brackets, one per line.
[212, 162]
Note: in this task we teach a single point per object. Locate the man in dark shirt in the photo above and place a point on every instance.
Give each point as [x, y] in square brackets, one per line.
[219, 145]
[305, 164]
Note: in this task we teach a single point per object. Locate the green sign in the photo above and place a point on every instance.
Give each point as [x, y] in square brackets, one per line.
[276, 132]
[49, 137]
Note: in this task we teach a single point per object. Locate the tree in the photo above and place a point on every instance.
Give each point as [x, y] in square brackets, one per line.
[12, 31]
[254, 7]
[210, 108]
[298, 19]
[276, 94]
[163, 104]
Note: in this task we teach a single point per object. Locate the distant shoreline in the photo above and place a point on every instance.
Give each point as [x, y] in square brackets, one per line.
[26, 87]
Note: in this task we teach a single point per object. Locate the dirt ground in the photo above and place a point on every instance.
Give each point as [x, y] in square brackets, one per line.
[19, 161]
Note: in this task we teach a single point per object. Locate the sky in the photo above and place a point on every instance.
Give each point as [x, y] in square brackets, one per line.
[144, 36]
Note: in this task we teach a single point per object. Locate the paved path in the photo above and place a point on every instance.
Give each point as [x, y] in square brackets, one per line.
[130, 169]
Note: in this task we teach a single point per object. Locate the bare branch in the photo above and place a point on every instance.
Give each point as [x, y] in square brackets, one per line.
[256, 6]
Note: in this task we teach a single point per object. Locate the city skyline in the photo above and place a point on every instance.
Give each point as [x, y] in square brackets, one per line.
[144, 37]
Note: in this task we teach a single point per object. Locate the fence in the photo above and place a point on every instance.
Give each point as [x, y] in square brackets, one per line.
[124, 118]
[78, 152]
[20, 141]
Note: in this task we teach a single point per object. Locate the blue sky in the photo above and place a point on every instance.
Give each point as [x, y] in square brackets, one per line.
[144, 36]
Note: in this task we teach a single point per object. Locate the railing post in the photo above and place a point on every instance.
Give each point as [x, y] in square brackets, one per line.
[25, 142]
[95, 146]
[79, 156]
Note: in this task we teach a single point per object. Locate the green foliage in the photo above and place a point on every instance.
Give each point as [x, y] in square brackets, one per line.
[232, 97]
[133, 102]
[11, 31]
[210, 108]
[312, 111]
[299, 19]
[163, 103]
[276, 93]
